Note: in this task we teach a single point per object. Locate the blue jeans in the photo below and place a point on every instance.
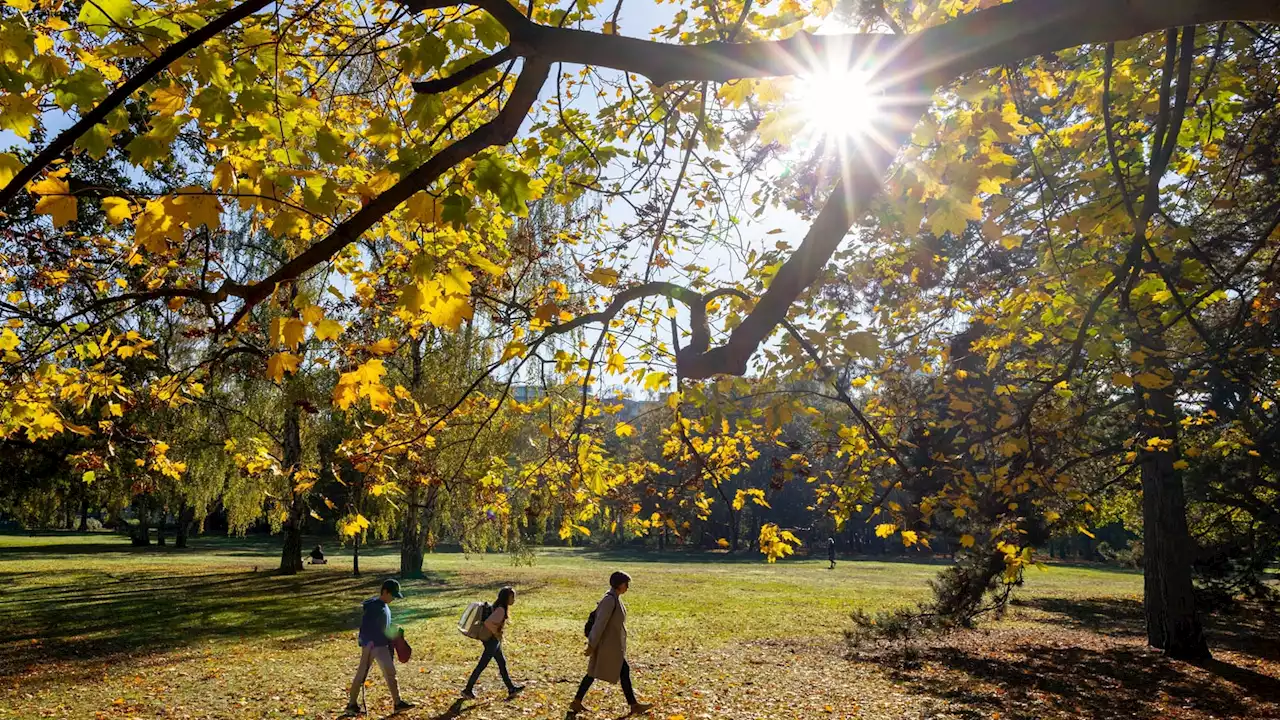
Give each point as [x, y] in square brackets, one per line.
[492, 651]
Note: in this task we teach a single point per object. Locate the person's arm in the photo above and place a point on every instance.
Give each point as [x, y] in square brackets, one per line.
[603, 612]
[390, 630]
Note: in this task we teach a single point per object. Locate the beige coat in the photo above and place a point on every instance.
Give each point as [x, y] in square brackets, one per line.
[608, 640]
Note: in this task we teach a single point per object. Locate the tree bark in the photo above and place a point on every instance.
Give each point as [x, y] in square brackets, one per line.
[355, 557]
[84, 509]
[413, 543]
[160, 523]
[141, 535]
[291, 555]
[186, 518]
[1168, 593]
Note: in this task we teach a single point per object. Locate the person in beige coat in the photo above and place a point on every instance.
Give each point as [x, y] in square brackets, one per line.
[607, 647]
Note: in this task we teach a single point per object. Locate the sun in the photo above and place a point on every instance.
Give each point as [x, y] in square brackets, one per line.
[839, 105]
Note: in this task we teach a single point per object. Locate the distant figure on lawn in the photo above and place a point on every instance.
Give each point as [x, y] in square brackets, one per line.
[831, 553]
[491, 636]
[376, 634]
[607, 646]
[317, 556]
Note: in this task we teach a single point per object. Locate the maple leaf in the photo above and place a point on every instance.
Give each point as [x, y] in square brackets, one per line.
[56, 199]
[116, 209]
[328, 329]
[168, 100]
[951, 216]
[281, 363]
[623, 430]
[617, 363]
[385, 346]
[966, 541]
[604, 276]
[292, 332]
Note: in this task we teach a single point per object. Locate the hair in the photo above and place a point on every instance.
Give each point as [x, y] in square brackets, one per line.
[618, 578]
[505, 596]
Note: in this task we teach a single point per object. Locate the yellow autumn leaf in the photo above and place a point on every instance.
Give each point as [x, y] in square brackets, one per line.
[617, 363]
[385, 346]
[8, 340]
[966, 540]
[282, 363]
[951, 216]
[909, 538]
[56, 199]
[884, 530]
[605, 276]
[116, 209]
[9, 166]
[168, 100]
[292, 332]
[624, 430]
[328, 329]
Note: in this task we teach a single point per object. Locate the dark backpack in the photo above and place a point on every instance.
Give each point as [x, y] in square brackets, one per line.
[591, 619]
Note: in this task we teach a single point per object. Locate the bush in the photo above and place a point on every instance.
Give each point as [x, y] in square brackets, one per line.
[93, 525]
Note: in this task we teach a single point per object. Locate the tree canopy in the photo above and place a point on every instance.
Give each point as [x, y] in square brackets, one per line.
[390, 263]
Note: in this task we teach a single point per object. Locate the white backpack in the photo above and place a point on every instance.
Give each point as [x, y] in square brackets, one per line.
[472, 621]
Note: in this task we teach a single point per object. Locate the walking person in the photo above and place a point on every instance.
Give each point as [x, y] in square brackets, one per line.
[376, 635]
[491, 636]
[831, 553]
[607, 647]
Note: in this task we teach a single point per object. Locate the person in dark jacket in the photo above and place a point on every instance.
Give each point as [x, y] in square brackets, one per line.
[376, 634]
[607, 648]
[491, 636]
[831, 553]
[317, 556]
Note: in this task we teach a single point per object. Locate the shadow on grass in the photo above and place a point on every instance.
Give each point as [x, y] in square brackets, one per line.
[1252, 629]
[1076, 672]
[1044, 681]
[138, 613]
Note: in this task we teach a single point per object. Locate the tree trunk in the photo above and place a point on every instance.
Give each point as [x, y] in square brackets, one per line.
[413, 542]
[141, 535]
[291, 555]
[186, 518]
[84, 509]
[355, 557]
[1168, 594]
[160, 518]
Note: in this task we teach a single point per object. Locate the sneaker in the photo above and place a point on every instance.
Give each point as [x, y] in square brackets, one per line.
[469, 694]
[641, 708]
[404, 705]
[352, 711]
[514, 690]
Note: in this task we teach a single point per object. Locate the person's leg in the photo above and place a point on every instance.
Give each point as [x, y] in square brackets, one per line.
[502, 665]
[583, 687]
[387, 662]
[362, 671]
[489, 647]
[627, 692]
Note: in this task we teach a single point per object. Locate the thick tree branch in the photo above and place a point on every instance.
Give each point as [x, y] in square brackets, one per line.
[470, 72]
[67, 138]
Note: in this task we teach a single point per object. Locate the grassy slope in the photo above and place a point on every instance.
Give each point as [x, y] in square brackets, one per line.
[91, 627]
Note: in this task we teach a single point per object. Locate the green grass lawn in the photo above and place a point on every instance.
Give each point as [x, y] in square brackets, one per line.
[91, 627]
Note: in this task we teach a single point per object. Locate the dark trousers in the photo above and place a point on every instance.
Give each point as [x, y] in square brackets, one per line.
[625, 680]
[492, 651]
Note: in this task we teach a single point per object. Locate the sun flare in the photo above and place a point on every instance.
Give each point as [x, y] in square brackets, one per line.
[840, 104]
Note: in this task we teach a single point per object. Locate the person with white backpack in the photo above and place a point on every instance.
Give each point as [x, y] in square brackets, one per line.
[487, 626]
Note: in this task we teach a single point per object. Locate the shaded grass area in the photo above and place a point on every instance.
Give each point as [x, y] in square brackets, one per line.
[91, 627]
